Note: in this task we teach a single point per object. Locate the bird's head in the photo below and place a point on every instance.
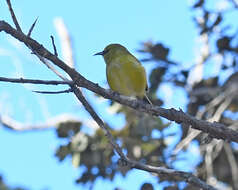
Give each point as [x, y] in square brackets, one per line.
[112, 51]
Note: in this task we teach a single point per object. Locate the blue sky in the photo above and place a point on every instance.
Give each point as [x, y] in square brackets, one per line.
[28, 158]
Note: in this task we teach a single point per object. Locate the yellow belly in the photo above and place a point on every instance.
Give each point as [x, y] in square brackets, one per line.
[127, 78]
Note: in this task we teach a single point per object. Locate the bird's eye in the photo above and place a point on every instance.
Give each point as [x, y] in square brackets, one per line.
[105, 51]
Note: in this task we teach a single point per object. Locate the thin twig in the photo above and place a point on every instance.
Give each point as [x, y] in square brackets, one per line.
[13, 16]
[47, 63]
[53, 92]
[178, 175]
[50, 123]
[32, 27]
[53, 43]
[35, 52]
[12, 124]
[35, 81]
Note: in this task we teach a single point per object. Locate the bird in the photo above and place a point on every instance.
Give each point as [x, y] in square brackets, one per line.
[125, 74]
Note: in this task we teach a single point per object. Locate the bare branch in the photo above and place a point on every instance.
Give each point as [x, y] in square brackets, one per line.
[78, 79]
[46, 62]
[98, 120]
[170, 173]
[35, 81]
[214, 129]
[32, 27]
[13, 16]
[224, 99]
[53, 122]
[233, 164]
[38, 55]
[53, 43]
[160, 171]
[12, 124]
[53, 92]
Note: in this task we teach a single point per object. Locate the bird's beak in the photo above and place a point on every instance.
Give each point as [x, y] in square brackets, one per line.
[100, 53]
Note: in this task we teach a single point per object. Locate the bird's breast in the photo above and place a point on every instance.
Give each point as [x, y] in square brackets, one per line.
[126, 77]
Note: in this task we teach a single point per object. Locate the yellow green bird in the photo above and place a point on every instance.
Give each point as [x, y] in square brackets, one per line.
[125, 74]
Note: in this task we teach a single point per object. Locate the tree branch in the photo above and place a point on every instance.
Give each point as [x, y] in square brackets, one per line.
[215, 130]
[171, 173]
[53, 43]
[160, 171]
[12, 124]
[28, 35]
[50, 123]
[13, 16]
[53, 92]
[32, 27]
[35, 81]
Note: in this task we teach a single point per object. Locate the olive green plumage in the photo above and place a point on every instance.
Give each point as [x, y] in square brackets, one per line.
[125, 74]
